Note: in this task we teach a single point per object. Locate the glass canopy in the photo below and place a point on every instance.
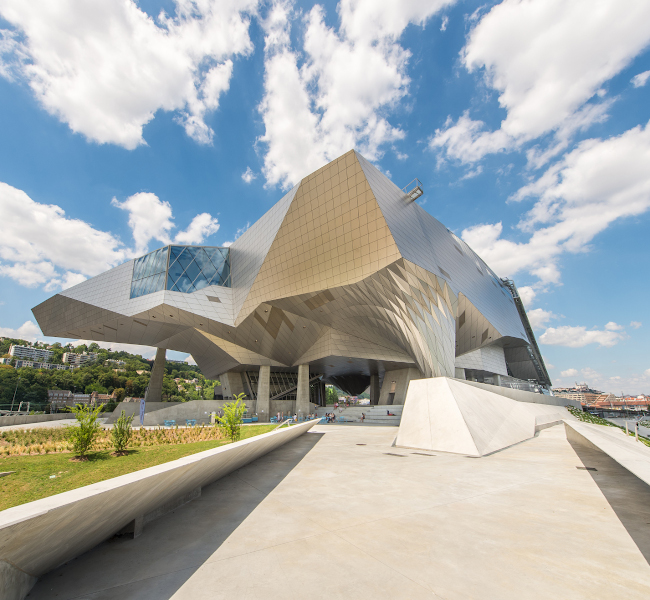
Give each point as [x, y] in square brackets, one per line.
[180, 269]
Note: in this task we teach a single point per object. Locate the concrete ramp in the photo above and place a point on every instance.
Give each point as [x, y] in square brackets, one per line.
[449, 415]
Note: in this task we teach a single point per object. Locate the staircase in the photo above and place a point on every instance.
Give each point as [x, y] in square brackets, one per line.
[375, 415]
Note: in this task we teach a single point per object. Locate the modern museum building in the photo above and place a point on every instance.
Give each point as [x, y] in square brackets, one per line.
[346, 280]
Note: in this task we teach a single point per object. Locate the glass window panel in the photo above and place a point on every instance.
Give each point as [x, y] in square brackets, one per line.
[218, 261]
[225, 272]
[192, 271]
[148, 265]
[137, 268]
[175, 252]
[161, 262]
[174, 288]
[200, 283]
[157, 284]
[175, 271]
[148, 284]
[170, 283]
[184, 283]
[212, 252]
[186, 258]
[151, 264]
[135, 293]
[192, 251]
[205, 264]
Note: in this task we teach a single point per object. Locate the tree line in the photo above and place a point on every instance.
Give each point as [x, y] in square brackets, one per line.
[128, 380]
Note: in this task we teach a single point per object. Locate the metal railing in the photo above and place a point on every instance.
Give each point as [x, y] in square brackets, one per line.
[413, 190]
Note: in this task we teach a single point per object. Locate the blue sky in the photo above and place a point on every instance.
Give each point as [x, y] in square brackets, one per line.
[125, 128]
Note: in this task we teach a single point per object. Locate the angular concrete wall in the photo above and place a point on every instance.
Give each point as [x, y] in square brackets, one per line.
[38, 536]
[449, 415]
[27, 419]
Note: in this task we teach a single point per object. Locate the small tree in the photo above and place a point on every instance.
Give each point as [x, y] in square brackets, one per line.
[121, 432]
[233, 413]
[82, 435]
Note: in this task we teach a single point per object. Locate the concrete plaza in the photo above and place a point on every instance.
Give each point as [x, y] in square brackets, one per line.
[339, 513]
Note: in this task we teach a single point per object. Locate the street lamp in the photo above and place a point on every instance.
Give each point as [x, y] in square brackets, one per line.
[14, 398]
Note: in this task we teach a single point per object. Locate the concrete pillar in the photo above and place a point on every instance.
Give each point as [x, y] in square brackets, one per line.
[231, 384]
[154, 390]
[264, 395]
[395, 386]
[374, 389]
[302, 393]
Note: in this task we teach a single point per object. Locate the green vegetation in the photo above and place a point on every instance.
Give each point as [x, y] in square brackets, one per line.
[121, 432]
[37, 477]
[233, 415]
[83, 434]
[46, 440]
[130, 379]
[586, 417]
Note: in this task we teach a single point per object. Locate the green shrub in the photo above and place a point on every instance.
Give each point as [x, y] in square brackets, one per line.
[233, 413]
[82, 435]
[121, 432]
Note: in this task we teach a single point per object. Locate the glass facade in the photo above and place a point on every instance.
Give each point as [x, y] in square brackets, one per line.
[180, 269]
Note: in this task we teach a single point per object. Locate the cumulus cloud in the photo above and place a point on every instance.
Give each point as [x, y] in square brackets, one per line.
[527, 295]
[248, 175]
[106, 71]
[201, 227]
[547, 60]
[149, 218]
[28, 331]
[444, 23]
[641, 79]
[35, 246]
[636, 324]
[597, 183]
[539, 317]
[334, 93]
[578, 337]
[41, 245]
[569, 373]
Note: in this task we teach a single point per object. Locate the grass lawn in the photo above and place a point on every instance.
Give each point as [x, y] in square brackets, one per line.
[32, 478]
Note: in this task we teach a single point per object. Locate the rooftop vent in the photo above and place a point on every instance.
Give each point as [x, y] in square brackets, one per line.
[413, 190]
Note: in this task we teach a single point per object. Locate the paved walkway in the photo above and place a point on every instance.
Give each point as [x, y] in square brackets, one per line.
[339, 513]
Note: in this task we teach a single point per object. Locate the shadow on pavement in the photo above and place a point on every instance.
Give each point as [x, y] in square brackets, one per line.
[155, 565]
[628, 495]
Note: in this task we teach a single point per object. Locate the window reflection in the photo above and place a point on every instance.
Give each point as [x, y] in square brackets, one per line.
[180, 269]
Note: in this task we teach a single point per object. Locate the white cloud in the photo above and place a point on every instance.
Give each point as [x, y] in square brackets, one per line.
[35, 246]
[636, 324]
[445, 22]
[641, 79]
[539, 317]
[611, 326]
[577, 337]
[106, 71]
[569, 373]
[335, 94]
[577, 198]
[248, 175]
[40, 245]
[546, 59]
[28, 331]
[149, 218]
[201, 227]
[527, 295]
